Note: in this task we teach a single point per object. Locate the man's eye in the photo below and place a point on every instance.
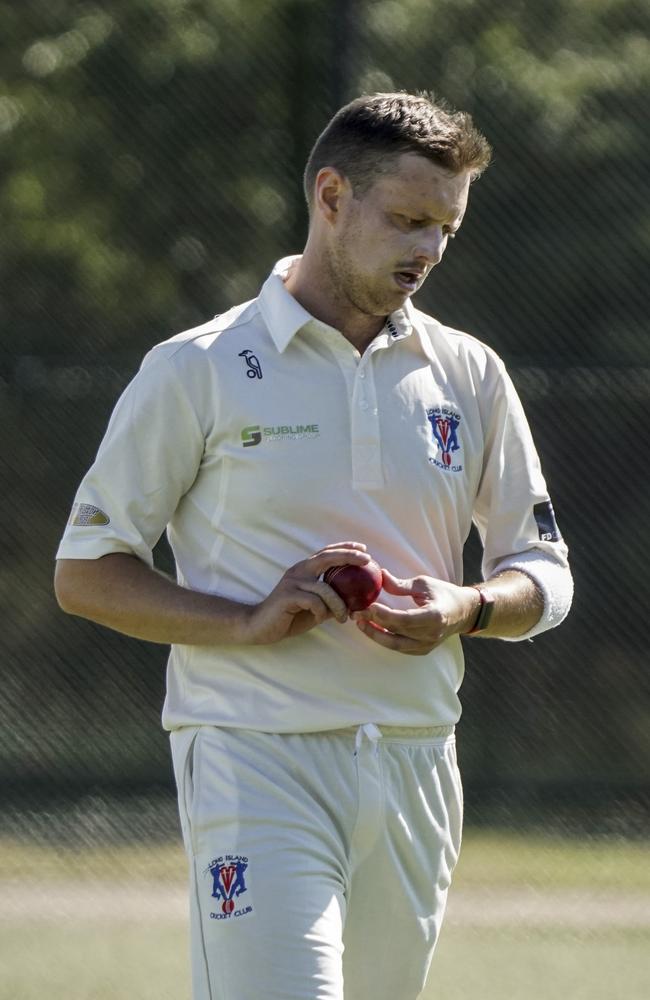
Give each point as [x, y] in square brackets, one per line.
[410, 223]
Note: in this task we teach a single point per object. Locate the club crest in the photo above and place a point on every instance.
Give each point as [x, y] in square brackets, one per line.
[228, 884]
[445, 422]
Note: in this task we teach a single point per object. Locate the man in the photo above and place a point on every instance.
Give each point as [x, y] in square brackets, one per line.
[314, 751]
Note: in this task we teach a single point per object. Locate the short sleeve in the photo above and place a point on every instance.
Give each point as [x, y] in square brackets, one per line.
[147, 461]
[513, 511]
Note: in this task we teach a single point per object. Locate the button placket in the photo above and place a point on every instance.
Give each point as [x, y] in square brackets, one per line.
[367, 472]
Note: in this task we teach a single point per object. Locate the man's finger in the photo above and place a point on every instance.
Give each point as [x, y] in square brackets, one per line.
[337, 555]
[390, 640]
[334, 604]
[402, 622]
[301, 600]
[345, 545]
[393, 585]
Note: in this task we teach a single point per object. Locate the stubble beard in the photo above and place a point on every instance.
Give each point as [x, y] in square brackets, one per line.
[352, 288]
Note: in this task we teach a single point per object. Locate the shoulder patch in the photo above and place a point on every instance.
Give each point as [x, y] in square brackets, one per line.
[86, 514]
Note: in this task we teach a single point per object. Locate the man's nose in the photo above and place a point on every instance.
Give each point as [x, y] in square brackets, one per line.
[431, 245]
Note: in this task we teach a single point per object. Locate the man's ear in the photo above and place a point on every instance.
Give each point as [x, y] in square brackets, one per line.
[328, 189]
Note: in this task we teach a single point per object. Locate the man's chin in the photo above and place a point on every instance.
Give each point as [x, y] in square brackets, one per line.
[388, 301]
[398, 299]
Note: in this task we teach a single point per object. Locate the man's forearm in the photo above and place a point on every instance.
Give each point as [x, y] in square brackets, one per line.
[123, 593]
[518, 605]
[120, 591]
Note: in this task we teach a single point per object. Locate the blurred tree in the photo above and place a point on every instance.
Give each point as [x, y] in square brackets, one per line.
[151, 152]
[563, 217]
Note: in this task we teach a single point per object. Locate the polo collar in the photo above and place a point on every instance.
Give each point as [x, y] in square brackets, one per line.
[284, 316]
[400, 323]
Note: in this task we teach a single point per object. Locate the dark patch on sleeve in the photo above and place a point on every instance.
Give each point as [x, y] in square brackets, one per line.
[546, 523]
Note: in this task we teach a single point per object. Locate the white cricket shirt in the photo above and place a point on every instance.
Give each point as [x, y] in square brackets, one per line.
[263, 435]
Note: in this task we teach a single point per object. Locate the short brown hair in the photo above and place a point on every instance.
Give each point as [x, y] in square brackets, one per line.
[363, 134]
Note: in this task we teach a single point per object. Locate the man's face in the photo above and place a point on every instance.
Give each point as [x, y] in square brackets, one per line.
[384, 244]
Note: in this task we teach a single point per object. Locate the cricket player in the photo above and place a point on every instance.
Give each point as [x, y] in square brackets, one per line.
[323, 423]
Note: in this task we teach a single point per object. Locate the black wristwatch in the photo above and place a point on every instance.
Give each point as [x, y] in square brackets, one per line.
[485, 611]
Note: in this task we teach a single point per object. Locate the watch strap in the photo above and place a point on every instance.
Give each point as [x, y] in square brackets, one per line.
[485, 611]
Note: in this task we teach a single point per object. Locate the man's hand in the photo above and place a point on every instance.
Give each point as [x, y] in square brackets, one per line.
[442, 609]
[301, 600]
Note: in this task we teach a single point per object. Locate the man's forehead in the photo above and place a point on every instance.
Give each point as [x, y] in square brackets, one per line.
[412, 176]
[421, 174]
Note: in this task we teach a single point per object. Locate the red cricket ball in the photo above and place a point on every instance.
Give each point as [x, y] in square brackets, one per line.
[359, 586]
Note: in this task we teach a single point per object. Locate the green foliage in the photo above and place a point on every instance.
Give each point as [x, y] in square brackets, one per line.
[151, 153]
[560, 229]
[135, 148]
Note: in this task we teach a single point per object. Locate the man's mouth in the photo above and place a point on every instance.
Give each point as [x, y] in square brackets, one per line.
[409, 280]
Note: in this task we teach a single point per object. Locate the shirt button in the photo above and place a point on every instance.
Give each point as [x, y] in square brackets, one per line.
[362, 374]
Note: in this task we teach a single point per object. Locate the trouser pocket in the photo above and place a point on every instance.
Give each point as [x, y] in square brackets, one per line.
[184, 746]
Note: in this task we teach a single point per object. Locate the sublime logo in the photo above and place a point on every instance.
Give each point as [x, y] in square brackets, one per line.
[254, 434]
[251, 436]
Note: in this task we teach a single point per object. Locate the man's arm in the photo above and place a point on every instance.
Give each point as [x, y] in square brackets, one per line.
[444, 609]
[121, 592]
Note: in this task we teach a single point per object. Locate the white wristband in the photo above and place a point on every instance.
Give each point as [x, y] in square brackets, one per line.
[555, 583]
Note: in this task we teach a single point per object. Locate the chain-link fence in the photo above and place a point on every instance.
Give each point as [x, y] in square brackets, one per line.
[151, 154]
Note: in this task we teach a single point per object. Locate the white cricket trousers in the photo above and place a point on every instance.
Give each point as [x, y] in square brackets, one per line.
[319, 862]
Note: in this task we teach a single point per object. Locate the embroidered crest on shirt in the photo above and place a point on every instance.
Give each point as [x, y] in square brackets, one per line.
[228, 885]
[445, 421]
[86, 514]
[253, 367]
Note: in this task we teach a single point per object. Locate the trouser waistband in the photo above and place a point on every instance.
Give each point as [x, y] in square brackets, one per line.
[407, 734]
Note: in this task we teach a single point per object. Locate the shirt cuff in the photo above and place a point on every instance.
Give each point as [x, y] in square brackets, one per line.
[554, 582]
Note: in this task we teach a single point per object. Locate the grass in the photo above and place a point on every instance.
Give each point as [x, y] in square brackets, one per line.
[512, 964]
[500, 859]
[113, 958]
[150, 963]
[60, 864]
[488, 859]
[98, 962]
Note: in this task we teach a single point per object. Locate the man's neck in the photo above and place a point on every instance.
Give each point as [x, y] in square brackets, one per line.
[315, 293]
